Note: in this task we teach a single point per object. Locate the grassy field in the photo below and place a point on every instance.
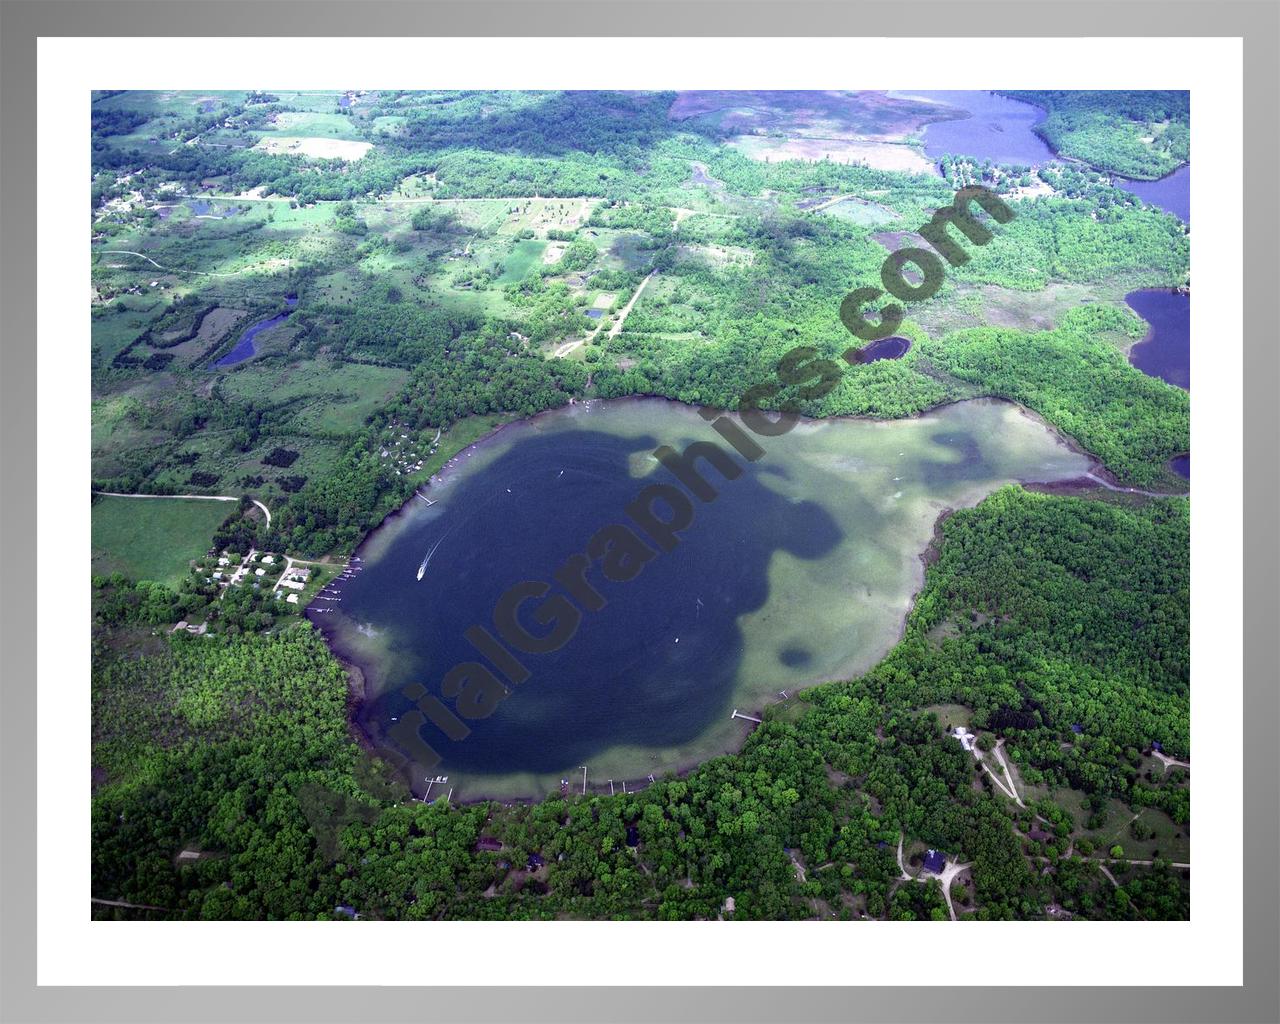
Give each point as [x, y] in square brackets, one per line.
[524, 256]
[331, 398]
[153, 538]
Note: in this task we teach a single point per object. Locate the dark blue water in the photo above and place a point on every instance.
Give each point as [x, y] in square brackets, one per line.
[595, 314]
[883, 348]
[998, 129]
[655, 667]
[244, 348]
[1172, 192]
[1166, 351]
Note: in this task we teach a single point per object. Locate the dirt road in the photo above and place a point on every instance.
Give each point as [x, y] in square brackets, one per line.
[190, 497]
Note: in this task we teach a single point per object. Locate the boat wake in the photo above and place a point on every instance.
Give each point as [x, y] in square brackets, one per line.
[422, 569]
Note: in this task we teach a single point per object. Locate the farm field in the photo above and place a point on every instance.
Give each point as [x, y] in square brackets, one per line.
[153, 538]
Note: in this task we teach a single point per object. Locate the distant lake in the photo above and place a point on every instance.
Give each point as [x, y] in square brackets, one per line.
[1166, 351]
[1001, 129]
[244, 348]
[1172, 192]
[998, 128]
[802, 569]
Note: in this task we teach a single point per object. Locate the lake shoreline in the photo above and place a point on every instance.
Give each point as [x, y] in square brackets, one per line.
[356, 663]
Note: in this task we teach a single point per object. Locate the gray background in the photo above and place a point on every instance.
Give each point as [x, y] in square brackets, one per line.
[1258, 22]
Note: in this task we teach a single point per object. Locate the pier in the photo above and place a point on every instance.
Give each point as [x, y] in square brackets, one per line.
[749, 718]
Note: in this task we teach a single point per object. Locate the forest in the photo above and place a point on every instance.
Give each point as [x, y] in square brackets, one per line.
[1041, 613]
[1142, 135]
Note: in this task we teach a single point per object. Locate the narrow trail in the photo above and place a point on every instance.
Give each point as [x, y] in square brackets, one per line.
[626, 310]
[1005, 784]
[1012, 789]
[128, 906]
[1134, 490]
[158, 266]
[569, 346]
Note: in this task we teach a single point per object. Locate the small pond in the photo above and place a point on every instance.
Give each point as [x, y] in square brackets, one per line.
[883, 348]
[244, 348]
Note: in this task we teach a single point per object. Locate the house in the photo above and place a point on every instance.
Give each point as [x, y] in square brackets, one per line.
[489, 843]
[1039, 835]
[535, 862]
[292, 599]
[633, 836]
[965, 737]
[935, 861]
[1156, 746]
[259, 572]
[293, 584]
[268, 559]
[298, 574]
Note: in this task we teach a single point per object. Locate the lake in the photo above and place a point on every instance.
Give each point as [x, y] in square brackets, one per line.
[244, 348]
[997, 129]
[802, 569]
[1172, 192]
[1166, 350]
[1002, 130]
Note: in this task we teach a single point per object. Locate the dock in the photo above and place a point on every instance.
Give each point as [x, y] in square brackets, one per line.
[749, 718]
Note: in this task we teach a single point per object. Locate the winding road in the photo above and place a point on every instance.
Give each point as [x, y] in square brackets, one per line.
[190, 497]
[950, 871]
